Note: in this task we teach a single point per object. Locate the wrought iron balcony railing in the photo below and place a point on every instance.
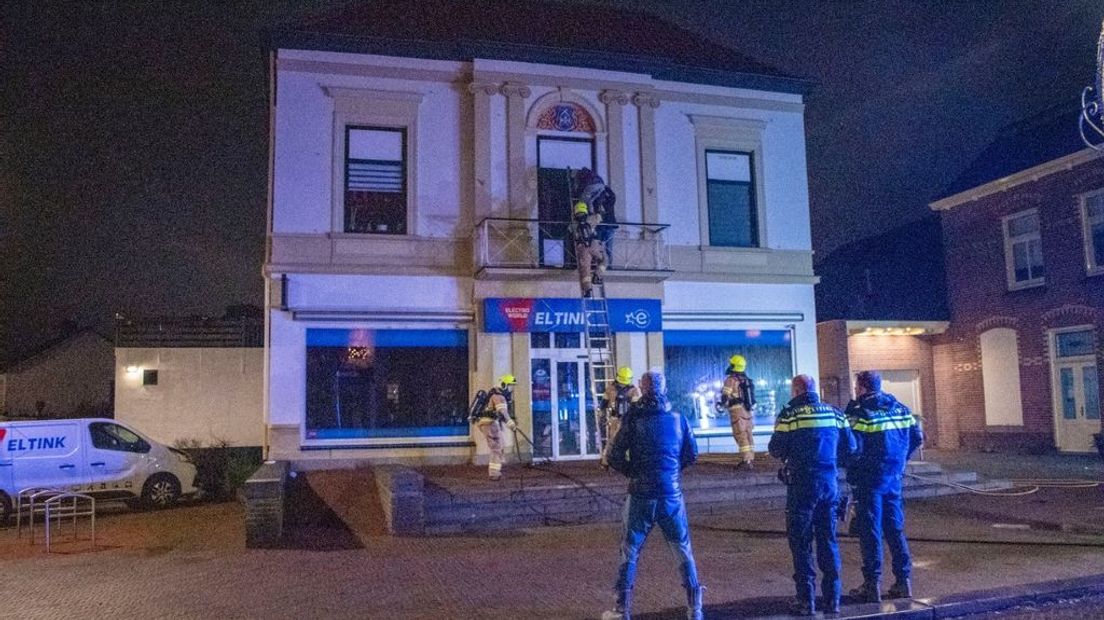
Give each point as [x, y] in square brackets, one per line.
[536, 244]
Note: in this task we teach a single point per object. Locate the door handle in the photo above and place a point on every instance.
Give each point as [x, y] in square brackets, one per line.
[67, 466]
[98, 464]
[6, 464]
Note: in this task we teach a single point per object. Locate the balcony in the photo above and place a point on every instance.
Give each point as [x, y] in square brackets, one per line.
[509, 248]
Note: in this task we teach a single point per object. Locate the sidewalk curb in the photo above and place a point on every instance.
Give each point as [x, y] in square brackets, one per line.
[953, 605]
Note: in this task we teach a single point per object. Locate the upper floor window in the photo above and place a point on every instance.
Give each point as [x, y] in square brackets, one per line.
[730, 198]
[375, 180]
[1023, 250]
[1092, 216]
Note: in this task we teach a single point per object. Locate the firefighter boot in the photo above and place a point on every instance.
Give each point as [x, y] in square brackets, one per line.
[868, 592]
[624, 607]
[694, 602]
[901, 589]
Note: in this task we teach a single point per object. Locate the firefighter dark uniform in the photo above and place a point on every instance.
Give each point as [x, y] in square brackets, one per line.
[811, 437]
[490, 422]
[738, 396]
[887, 435]
[589, 253]
[619, 396]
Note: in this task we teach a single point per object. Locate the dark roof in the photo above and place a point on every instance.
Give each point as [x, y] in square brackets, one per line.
[559, 33]
[1035, 140]
[895, 276]
[23, 357]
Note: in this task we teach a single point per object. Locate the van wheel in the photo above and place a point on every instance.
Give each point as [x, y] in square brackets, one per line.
[161, 491]
[5, 508]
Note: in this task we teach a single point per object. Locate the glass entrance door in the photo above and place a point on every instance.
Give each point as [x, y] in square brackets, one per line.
[563, 407]
[1078, 406]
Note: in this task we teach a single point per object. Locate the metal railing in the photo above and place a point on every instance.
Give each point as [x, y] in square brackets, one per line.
[53, 505]
[539, 244]
[66, 506]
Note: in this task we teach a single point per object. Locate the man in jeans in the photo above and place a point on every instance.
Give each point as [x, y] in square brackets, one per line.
[652, 448]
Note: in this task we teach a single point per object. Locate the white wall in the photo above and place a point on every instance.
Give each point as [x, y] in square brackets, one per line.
[1000, 376]
[204, 394]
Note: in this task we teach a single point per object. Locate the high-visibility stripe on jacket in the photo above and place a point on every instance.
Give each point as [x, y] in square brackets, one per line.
[811, 435]
[887, 434]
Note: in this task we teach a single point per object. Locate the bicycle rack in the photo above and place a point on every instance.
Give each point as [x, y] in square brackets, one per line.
[28, 504]
[57, 509]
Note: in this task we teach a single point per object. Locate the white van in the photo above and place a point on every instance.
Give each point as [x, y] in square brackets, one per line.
[99, 457]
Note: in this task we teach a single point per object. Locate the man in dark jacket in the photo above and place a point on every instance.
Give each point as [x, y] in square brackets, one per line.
[652, 448]
[887, 435]
[811, 437]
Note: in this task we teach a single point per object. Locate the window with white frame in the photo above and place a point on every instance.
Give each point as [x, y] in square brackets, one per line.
[1092, 215]
[375, 180]
[1023, 250]
[730, 196]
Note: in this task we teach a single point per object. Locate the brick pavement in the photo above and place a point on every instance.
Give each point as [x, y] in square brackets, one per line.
[190, 562]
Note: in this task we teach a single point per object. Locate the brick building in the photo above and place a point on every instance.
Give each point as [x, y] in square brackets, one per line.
[1023, 236]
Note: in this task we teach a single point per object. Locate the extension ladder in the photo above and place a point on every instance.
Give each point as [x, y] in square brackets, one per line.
[601, 355]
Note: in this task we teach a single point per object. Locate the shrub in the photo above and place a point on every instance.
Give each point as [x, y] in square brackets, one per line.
[221, 469]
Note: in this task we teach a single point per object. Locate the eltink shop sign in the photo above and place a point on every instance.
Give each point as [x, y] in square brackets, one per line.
[551, 314]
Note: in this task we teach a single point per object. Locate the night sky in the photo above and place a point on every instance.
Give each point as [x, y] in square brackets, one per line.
[133, 136]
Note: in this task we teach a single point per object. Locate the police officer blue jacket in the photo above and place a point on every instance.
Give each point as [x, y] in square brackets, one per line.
[886, 434]
[811, 436]
[653, 446]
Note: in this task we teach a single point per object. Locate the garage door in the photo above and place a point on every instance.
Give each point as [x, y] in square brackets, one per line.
[905, 385]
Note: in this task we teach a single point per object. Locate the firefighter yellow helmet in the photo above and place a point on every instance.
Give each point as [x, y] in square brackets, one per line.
[581, 208]
[738, 363]
[624, 375]
[508, 380]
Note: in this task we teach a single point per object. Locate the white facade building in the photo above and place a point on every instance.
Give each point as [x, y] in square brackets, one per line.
[416, 246]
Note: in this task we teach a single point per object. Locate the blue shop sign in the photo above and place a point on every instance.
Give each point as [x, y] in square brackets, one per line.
[566, 315]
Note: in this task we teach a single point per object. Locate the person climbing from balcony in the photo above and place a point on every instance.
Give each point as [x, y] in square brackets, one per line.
[587, 186]
[490, 412]
[619, 396]
[589, 253]
[738, 396]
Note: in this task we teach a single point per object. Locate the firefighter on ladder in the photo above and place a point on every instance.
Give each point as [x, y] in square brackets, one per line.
[738, 396]
[619, 395]
[589, 252]
[490, 417]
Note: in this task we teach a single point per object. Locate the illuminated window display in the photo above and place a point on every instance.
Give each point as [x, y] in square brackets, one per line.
[696, 362]
[364, 383]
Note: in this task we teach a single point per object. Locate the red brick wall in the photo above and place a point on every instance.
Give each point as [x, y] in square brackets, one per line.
[835, 372]
[901, 353]
[980, 300]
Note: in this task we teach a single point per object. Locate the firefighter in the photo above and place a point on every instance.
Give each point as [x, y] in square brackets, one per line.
[589, 253]
[618, 397]
[490, 419]
[587, 186]
[887, 434]
[738, 396]
[811, 438]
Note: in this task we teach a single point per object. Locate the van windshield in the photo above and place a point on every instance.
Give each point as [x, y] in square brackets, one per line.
[107, 436]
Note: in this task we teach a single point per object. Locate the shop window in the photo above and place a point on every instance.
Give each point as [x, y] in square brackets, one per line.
[1092, 216]
[696, 362]
[1023, 250]
[730, 196]
[375, 180]
[364, 383]
[1000, 375]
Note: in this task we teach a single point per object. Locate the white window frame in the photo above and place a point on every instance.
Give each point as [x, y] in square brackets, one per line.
[379, 109]
[715, 133]
[1091, 268]
[1009, 257]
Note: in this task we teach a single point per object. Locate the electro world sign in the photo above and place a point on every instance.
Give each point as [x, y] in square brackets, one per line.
[554, 314]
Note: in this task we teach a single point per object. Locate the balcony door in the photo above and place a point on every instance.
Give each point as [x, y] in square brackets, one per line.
[556, 156]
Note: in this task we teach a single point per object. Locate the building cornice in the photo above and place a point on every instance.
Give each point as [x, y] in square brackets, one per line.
[1028, 175]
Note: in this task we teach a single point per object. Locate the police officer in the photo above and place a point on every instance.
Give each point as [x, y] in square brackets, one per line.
[653, 447]
[811, 438]
[589, 253]
[619, 395]
[491, 419]
[887, 435]
[738, 396]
